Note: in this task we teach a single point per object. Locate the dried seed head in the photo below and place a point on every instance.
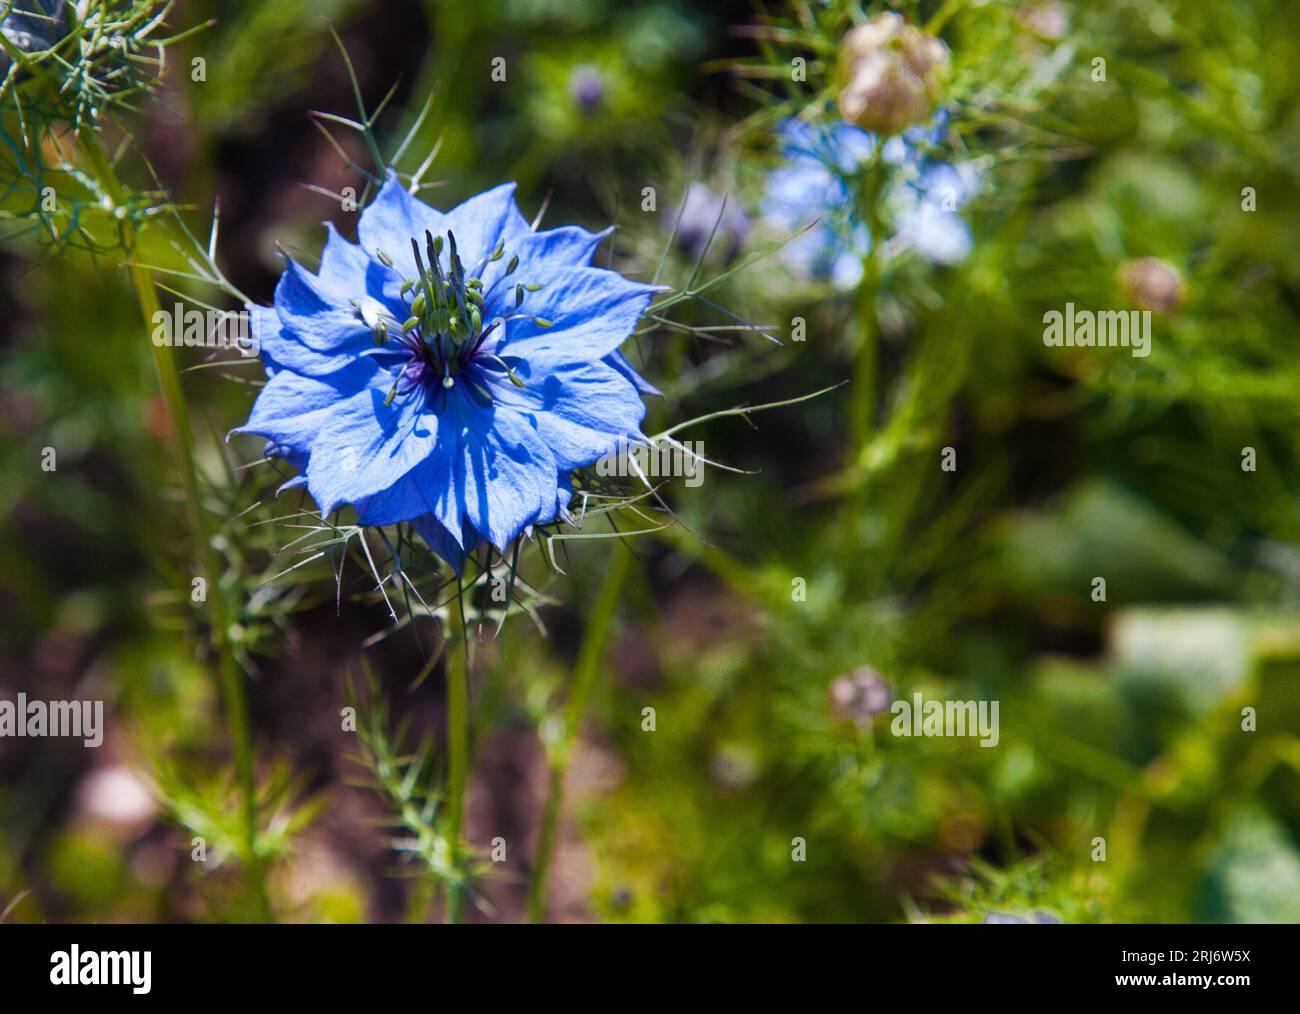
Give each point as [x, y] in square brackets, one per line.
[861, 695]
[892, 73]
[1049, 20]
[1153, 284]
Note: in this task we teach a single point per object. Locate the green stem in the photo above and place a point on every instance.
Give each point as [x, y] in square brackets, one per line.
[866, 364]
[231, 679]
[457, 742]
[585, 668]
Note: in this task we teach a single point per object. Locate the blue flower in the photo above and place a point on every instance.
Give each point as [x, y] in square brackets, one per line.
[926, 217]
[821, 178]
[450, 370]
[815, 183]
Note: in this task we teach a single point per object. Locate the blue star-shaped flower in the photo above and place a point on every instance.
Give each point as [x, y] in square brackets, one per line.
[450, 370]
[814, 182]
[819, 179]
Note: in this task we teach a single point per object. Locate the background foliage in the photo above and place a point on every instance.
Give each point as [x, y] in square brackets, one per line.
[1120, 719]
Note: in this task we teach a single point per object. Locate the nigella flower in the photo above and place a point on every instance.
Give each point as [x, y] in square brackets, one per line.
[930, 195]
[450, 370]
[821, 180]
[815, 183]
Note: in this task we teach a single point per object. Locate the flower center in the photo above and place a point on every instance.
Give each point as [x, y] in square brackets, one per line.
[445, 329]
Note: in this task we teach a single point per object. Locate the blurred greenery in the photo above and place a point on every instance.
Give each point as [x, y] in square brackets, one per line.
[1121, 717]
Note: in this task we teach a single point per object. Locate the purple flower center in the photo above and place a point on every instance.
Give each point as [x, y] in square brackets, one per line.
[445, 329]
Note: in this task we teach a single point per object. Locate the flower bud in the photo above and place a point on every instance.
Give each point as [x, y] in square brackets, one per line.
[861, 695]
[1152, 284]
[891, 72]
[1050, 20]
[587, 88]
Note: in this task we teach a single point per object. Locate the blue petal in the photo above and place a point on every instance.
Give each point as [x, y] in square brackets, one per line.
[441, 541]
[291, 408]
[392, 219]
[568, 245]
[367, 446]
[592, 311]
[563, 494]
[581, 411]
[425, 489]
[940, 236]
[620, 362]
[483, 221]
[343, 267]
[317, 335]
[505, 472]
[267, 330]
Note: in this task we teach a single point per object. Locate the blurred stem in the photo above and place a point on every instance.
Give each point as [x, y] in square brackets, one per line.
[866, 364]
[585, 667]
[457, 741]
[865, 388]
[230, 677]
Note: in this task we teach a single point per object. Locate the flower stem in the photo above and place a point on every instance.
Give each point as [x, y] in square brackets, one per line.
[231, 679]
[585, 668]
[457, 742]
[865, 364]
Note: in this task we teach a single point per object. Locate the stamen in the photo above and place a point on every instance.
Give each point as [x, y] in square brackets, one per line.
[445, 329]
[514, 379]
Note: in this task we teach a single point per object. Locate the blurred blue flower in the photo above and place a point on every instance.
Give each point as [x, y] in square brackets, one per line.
[815, 183]
[451, 370]
[587, 88]
[821, 178]
[1008, 919]
[931, 193]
